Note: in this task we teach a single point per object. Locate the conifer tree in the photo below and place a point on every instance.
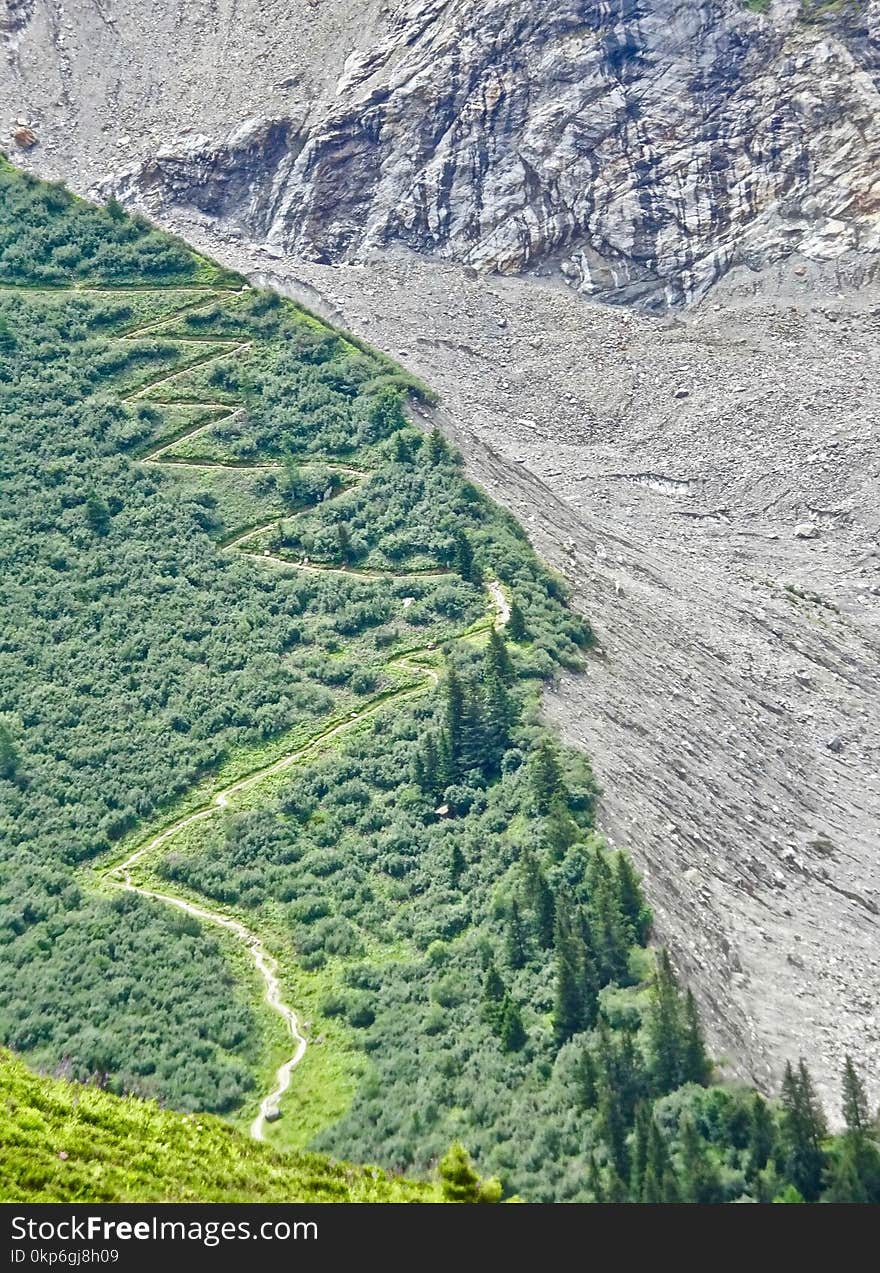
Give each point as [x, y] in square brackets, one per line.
[587, 971]
[610, 931]
[587, 1078]
[402, 453]
[457, 865]
[455, 719]
[498, 661]
[664, 1028]
[568, 1003]
[459, 1181]
[493, 985]
[762, 1135]
[615, 1189]
[539, 898]
[545, 913]
[464, 558]
[671, 1191]
[639, 1153]
[517, 950]
[594, 1181]
[854, 1174]
[445, 762]
[613, 1131]
[696, 1066]
[560, 828]
[430, 783]
[628, 1073]
[516, 624]
[631, 899]
[419, 776]
[660, 1184]
[497, 719]
[437, 449]
[343, 538]
[512, 1031]
[843, 1179]
[811, 1102]
[855, 1102]
[801, 1131]
[546, 775]
[474, 751]
[8, 753]
[292, 483]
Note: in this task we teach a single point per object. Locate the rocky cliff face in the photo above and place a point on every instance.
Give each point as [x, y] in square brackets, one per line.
[641, 147]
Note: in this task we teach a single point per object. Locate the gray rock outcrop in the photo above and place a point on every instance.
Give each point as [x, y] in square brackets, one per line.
[641, 148]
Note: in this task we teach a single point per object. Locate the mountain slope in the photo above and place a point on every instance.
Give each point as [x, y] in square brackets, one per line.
[60, 1142]
[203, 704]
[716, 474]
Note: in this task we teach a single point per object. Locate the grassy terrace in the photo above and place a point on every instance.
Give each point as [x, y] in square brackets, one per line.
[64, 1143]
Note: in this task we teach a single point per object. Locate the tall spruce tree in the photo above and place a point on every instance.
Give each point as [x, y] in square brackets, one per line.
[843, 1178]
[613, 1129]
[664, 1028]
[494, 992]
[811, 1100]
[474, 751]
[497, 718]
[539, 899]
[437, 449]
[560, 829]
[762, 1135]
[568, 1002]
[587, 969]
[9, 760]
[497, 660]
[594, 1181]
[516, 624]
[517, 947]
[854, 1173]
[611, 937]
[587, 1078]
[455, 719]
[402, 451]
[346, 552]
[511, 1030]
[546, 774]
[631, 899]
[430, 775]
[696, 1066]
[659, 1184]
[855, 1102]
[463, 557]
[801, 1131]
[639, 1151]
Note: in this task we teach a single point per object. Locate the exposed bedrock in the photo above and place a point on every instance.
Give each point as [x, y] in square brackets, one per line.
[641, 148]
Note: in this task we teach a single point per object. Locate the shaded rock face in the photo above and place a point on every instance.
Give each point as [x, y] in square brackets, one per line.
[641, 147]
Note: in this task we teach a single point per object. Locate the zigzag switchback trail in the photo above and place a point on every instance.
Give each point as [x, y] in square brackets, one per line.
[121, 874]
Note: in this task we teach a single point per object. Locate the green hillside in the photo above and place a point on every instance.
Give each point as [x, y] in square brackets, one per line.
[274, 784]
[60, 1142]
